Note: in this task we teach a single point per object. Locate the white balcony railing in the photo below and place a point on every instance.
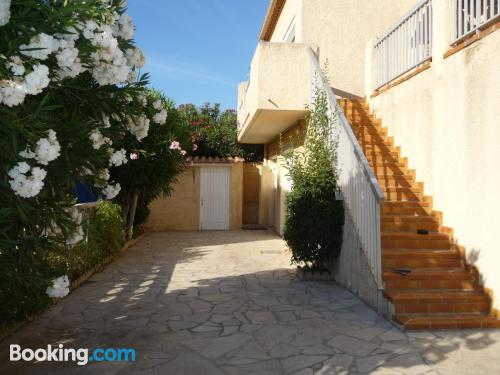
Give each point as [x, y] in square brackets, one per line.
[471, 15]
[405, 45]
[360, 190]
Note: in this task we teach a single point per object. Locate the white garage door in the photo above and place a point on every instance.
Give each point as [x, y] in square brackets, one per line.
[215, 190]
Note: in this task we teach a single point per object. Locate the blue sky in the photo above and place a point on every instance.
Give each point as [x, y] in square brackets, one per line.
[198, 50]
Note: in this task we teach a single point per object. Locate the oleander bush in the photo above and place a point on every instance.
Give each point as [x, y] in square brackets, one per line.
[315, 218]
[73, 110]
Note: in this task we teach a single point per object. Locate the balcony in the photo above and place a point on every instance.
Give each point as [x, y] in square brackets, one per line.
[275, 96]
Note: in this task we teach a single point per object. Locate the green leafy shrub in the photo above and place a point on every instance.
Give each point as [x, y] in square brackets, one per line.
[315, 218]
[105, 237]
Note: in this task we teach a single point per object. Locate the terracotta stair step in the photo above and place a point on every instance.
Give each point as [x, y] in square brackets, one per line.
[391, 171]
[404, 258]
[371, 153]
[446, 321]
[406, 208]
[383, 149]
[402, 194]
[408, 223]
[431, 301]
[373, 138]
[421, 278]
[372, 132]
[413, 240]
[382, 158]
[396, 182]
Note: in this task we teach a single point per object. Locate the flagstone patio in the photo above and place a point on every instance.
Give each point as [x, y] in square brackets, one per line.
[229, 303]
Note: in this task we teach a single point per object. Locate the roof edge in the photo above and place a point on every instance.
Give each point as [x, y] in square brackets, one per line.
[273, 14]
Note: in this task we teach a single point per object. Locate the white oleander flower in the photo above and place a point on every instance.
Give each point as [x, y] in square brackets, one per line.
[132, 76]
[47, 149]
[40, 47]
[103, 175]
[126, 28]
[27, 154]
[69, 63]
[142, 99]
[160, 117]
[98, 140]
[135, 57]
[59, 288]
[12, 93]
[118, 158]
[111, 191]
[139, 127]
[23, 185]
[4, 12]
[105, 122]
[16, 65]
[77, 218]
[37, 80]
[158, 105]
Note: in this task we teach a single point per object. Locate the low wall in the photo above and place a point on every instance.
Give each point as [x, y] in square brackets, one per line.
[181, 210]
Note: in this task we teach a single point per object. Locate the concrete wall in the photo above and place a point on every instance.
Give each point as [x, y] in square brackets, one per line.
[446, 119]
[181, 211]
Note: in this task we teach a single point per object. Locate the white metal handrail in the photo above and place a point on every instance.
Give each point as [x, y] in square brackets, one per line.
[360, 189]
[405, 45]
[471, 15]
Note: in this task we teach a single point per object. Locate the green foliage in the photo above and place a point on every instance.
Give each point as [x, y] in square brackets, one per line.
[157, 166]
[216, 133]
[34, 228]
[24, 282]
[315, 219]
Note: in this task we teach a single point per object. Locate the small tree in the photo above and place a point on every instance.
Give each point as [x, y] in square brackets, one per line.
[156, 160]
[216, 133]
[315, 218]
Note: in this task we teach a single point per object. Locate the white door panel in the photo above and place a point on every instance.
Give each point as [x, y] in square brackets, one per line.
[215, 191]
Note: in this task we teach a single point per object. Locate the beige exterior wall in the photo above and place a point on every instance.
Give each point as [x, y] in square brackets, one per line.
[275, 184]
[181, 211]
[278, 90]
[290, 15]
[446, 119]
[251, 192]
[340, 29]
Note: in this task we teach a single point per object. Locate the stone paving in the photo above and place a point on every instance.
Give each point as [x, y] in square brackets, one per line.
[229, 303]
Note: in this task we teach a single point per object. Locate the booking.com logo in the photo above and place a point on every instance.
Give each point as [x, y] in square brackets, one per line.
[80, 356]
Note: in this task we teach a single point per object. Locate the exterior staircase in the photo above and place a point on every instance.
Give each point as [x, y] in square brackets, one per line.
[424, 271]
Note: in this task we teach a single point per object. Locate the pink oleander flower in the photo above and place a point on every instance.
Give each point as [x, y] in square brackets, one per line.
[183, 152]
[195, 147]
[134, 156]
[175, 145]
